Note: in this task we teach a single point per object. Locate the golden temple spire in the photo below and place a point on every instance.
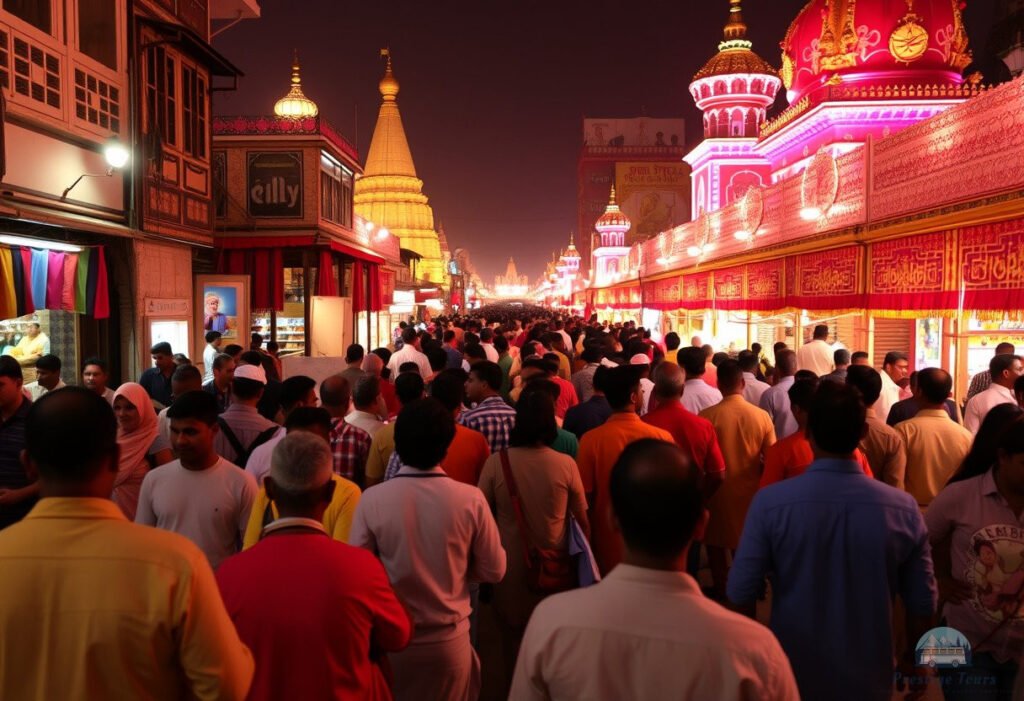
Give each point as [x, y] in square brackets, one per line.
[612, 198]
[295, 104]
[389, 152]
[735, 28]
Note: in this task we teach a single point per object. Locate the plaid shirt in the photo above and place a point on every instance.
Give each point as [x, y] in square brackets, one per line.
[350, 446]
[493, 418]
[979, 383]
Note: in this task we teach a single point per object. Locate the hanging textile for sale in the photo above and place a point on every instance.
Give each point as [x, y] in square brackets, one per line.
[8, 300]
[376, 298]
[54, 279]
[43, 279]
[67, 297]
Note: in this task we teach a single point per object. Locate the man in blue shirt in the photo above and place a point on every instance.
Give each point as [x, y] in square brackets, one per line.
[837, 547]
[591, 413]
[157, 380]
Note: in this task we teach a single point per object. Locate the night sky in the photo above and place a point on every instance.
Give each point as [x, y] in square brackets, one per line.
[493, 94]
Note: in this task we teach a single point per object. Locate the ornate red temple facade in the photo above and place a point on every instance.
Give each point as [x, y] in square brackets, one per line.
[894, 211]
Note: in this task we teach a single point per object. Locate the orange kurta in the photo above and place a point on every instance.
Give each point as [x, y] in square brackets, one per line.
[745, 432]
[599, 449]
[792, 456]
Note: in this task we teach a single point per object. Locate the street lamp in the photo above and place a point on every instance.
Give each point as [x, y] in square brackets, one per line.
[115, 154]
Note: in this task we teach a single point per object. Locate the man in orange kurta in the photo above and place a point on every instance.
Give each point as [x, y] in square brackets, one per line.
[745, 432]
[600, 449]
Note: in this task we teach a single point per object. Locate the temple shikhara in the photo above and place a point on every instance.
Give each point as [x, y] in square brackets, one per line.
[511, 285]
[885, 201]
[391, 195]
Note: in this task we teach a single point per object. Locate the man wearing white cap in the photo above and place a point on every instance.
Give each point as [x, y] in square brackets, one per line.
[646, 386]
[242, 428]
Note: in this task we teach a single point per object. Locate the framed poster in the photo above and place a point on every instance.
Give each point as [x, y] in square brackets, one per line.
[222, 304]
[274, 180]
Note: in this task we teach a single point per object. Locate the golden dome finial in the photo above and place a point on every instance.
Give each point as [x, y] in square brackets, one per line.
[735, 28]
[612, 198]
[388, 84]
[295, 104]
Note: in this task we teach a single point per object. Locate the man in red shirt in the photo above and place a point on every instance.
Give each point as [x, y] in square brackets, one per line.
[316, 613]
[692, 433]
[469, 449]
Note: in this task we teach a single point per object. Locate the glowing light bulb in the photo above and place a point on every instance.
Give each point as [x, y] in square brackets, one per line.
[810, 213]
[694, 251]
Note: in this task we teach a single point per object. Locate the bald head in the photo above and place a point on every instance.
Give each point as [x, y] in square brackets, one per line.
[656, 497]
[669, 381]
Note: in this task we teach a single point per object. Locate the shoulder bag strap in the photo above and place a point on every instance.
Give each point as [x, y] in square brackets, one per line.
[232, 438]
[517, 506]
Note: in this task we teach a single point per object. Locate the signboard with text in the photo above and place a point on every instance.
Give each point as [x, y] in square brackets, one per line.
[274, 181]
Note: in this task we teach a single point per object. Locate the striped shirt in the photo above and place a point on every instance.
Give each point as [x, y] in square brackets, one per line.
[12, 472]
[493, 418]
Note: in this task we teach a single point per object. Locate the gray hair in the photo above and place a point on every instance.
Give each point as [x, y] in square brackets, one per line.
[372, 364]
[301, 463]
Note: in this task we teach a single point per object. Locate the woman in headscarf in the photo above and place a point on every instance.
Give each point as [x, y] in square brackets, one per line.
[141, 445]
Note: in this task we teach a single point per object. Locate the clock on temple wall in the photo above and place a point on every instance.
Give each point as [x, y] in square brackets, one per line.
[909, 40]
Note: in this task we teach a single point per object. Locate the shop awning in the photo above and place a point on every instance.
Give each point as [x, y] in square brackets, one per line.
[352, 252]
[914, 275]
[662, 294]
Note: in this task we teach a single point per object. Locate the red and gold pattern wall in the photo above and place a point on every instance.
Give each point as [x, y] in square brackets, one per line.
[926, 222]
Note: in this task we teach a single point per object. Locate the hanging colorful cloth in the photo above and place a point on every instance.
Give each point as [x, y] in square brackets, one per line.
[101, 308]
[8, 300]
[22, 260]
[82, 281]
[39, 270]
[54, 279]
[67, 296]
[91, 281]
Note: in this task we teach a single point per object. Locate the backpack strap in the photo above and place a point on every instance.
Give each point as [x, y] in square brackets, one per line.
[232, 439]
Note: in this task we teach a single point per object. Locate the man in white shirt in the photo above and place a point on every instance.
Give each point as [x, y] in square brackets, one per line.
[775, 400]
[1005, 369]
[698, 395]
[753, 388]
[487, 341]
[200, 495]
[817, 355]
[648, 618]
[895, 368]
[212, 350]
[47, 377]
[410, 353]
[445, 539]
[366, 399]
[646, 386]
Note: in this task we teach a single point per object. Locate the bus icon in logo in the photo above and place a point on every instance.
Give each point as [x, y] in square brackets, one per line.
[943, 647]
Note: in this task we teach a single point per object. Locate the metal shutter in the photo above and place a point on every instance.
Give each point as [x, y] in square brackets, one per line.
[892, 335]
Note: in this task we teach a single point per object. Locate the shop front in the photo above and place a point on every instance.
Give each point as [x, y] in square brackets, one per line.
[54, 298]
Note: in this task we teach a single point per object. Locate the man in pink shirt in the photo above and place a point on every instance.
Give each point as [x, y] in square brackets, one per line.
[316, 613]
[434, 536]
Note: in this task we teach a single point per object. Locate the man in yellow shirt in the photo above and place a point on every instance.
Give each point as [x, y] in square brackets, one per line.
[32, 345]
[93, 606]
[935, 443]
[744, 432]
[337, 518]
[408, 388]
[672, 342]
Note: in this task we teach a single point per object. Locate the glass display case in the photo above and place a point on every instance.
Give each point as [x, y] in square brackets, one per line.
[290, 327]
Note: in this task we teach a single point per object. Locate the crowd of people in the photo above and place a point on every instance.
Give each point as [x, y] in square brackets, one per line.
[519, 504]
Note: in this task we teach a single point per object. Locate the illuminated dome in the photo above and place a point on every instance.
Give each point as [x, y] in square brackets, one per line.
[614, 220]
[874, 42]
[295, 104]
[736, 87]
[734, 53]
[571, 251]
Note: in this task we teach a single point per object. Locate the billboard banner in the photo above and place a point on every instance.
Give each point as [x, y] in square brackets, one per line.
[655, 196]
